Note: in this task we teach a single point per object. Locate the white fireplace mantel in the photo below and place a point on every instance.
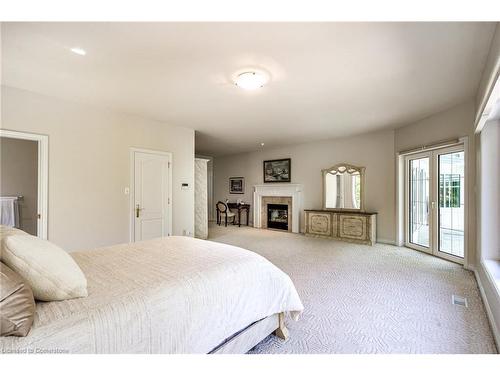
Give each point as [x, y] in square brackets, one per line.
[278, 190]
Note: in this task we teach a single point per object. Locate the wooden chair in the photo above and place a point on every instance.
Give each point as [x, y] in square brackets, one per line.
[224, 212]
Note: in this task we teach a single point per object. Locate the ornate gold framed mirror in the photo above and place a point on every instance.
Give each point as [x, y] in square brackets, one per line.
[343, 187]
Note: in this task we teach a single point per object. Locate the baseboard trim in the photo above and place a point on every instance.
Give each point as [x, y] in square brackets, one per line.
[470, 267]
[489, 313]
[386, 241]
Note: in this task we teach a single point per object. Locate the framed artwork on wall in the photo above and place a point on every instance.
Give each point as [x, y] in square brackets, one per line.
[277, 170]
[236, 185]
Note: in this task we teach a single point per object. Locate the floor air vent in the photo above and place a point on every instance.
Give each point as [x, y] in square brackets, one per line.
[457, 300]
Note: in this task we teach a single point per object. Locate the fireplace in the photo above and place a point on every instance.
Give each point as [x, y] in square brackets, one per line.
[277, 216]
[289, 194]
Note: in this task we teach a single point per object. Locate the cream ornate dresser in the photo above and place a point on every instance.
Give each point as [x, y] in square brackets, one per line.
[359, 227]
[343, 215]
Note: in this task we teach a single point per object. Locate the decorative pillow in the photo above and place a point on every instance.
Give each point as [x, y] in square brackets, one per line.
[50, 271]
[9, 231]
[17, 305]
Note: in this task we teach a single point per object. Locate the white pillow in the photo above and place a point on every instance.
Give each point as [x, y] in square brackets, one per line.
[9, 231]
[50, 271]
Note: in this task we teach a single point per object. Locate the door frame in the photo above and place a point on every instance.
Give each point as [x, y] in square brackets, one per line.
[132, 152]
[43, 175]
[460, 145]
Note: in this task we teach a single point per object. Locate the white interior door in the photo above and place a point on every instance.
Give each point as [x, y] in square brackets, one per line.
[435, 191]
[151, 192]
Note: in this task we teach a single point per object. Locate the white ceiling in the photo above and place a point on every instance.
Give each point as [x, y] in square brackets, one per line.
[327, 79]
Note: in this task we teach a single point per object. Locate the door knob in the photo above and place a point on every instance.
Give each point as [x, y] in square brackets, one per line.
[137, 210]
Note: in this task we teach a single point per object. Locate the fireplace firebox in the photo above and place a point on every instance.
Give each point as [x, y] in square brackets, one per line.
[277, 216]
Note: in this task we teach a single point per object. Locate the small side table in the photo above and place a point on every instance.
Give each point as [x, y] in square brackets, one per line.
[240, 207]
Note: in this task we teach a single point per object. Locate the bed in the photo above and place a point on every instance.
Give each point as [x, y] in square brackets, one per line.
[169, 295]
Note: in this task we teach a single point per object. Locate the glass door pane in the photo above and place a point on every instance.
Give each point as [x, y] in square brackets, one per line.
[451, 203]
[418, 209]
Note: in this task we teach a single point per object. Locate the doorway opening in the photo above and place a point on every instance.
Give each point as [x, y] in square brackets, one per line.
[24, 181]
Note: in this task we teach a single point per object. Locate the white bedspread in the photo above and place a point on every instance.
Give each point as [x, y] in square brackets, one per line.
[171, 295]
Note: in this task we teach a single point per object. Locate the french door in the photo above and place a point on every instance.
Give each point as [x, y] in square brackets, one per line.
[435, 190]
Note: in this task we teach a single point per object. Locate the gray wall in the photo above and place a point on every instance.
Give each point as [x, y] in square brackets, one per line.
[19, 176]
[89, 168]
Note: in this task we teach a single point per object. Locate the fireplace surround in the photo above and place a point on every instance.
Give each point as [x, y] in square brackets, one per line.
[289, 194]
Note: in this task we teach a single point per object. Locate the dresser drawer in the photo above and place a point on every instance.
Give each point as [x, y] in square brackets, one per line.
[353, 227]
[319, 223]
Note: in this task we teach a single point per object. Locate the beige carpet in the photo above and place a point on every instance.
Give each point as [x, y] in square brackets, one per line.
[361, 299]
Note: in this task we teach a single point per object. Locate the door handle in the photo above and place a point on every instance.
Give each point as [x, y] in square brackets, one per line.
[137, 210]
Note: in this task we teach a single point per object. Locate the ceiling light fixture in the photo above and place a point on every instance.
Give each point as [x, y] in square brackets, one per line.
[78, 51]
[262, 144]
[251, 80]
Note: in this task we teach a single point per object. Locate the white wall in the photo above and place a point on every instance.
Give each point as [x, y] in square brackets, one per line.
[375, 151]
[490, 72]
[89, 165]
[489, 210]
[452, 123]
[490, 190]
[487, 152]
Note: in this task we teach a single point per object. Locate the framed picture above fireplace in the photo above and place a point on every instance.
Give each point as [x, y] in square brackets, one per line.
[277, 170]
[236, 185]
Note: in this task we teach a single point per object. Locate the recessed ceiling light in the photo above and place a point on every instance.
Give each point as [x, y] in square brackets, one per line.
[78, 51]
[262, 144]
[251, 80]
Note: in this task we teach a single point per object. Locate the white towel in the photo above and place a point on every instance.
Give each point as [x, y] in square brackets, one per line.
[9, 212]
